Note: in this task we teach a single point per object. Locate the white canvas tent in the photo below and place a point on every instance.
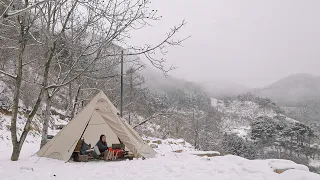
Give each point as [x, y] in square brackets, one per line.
[98, 117]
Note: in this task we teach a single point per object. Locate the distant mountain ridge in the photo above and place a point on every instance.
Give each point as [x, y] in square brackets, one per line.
[297, 94]
[292, 90]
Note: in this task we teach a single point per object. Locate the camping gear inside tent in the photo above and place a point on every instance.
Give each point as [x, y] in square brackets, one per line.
[98, 117]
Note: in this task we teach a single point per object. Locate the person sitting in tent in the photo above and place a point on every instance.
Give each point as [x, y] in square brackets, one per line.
[102, 144]
[106, 152]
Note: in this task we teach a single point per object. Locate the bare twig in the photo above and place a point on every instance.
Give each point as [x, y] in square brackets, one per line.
[29, 62]
[7, 14]
[146, 120]
[8, 74]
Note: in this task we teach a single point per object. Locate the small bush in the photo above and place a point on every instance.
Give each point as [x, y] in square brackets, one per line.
[314, 169]
[235, 145]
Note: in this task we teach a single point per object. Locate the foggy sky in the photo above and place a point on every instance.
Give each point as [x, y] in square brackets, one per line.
[250, 42]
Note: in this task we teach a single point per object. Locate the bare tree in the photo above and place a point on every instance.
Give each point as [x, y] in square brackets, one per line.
[22, 24]
[134, 94]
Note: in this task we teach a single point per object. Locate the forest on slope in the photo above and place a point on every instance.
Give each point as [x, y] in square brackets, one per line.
[297, 94]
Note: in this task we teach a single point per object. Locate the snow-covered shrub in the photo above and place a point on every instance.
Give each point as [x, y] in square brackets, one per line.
[262, 102]
[290, 136]
[235, 145]
[263, 129]
[314, 169]
[280, 139]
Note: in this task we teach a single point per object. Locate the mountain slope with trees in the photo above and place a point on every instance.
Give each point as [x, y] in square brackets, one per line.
[256, 127]
[298, 94]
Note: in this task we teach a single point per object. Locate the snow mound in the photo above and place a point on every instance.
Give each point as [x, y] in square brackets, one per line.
[295, 174]
[169, 145]
[281, 164]
[204, 152]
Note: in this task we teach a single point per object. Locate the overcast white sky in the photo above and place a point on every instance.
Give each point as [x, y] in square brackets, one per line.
[250, 42]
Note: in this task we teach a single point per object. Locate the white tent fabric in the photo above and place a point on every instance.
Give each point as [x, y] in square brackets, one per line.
[95, 128]
[98, 117]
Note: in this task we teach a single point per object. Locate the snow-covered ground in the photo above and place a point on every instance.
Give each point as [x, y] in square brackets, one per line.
[167, 165]
[181, 164]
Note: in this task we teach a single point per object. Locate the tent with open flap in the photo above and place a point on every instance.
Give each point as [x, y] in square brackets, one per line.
[98, 117]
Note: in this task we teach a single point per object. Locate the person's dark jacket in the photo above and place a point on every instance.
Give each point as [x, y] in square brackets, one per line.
[102, 146]
[84, 148]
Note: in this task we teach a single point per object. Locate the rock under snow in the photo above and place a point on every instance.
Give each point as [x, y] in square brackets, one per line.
[205, 153]
[280, 165]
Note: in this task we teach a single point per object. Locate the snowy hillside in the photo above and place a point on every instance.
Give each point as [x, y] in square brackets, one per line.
[5, 121]
[34, 134]
[57, 117]
[237, 115]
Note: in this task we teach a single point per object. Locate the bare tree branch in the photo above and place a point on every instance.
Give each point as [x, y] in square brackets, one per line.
[148, 48]
[146, 120]
[8, 74]
[5, 12]
[29, 62]
[8, 14]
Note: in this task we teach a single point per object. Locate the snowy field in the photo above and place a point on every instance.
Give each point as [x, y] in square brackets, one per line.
[166, 165]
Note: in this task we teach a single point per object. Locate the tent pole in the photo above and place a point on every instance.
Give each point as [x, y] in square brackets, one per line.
[86, 125]
[121, 80]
